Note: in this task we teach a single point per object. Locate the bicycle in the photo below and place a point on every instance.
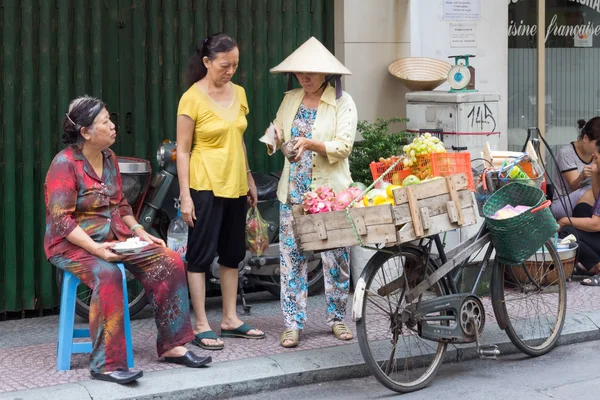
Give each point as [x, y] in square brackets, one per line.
[408, 308]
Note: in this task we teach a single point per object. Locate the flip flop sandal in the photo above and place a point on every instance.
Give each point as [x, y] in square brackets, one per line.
[593, 281]
[207, 335]
[340, 329]
[241, 332]
[291, 335]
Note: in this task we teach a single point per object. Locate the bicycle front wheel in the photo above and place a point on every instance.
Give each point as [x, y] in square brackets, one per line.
[531, 299]
[387, 332]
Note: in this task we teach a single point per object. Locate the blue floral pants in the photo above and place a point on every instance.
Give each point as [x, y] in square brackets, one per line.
[294, 279]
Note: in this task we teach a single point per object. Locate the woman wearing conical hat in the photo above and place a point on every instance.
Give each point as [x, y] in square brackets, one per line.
[321, 120]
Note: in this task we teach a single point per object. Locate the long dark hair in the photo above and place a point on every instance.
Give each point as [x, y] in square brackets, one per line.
[210, 47]
[591, 129]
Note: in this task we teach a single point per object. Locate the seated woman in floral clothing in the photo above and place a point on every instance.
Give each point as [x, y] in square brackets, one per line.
[86, 215]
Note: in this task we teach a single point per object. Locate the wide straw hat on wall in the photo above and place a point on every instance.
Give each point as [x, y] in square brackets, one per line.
[312, 56]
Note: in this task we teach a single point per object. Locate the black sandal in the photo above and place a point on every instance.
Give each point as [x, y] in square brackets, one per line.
[592, 281]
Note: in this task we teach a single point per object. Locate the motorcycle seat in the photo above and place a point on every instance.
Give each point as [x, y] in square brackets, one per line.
[266, 186]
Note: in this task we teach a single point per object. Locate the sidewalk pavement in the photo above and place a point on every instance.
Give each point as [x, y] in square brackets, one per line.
[28, 347]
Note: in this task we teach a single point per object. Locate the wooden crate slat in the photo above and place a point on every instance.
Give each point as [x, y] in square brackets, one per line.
[413, 207]
[346, 237]
[454, 197]
[376, 215]
[436, 205]
[431, 188]
[439, 223]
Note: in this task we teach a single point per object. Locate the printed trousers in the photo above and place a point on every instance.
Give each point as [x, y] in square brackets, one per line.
[294, 279]
[161, 272]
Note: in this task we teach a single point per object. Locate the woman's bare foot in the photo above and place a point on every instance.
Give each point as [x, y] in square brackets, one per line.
[595, 270]
[175, 352]
[342, 331]
[346, 336]
[290, 338]
[201, 328]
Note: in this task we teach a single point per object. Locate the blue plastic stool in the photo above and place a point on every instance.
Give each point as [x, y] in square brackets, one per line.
[66, 324]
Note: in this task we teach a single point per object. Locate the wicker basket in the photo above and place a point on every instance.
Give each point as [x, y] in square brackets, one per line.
[519, 237]
[420, 73]
[542, 269]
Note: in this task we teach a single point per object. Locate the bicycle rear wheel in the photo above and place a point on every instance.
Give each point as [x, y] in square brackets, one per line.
[531, 299]
[387, 334]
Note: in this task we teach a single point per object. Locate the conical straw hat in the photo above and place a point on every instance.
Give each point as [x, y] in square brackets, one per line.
[312, 56]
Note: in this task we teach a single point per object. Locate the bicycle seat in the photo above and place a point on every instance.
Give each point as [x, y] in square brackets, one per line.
[266, 186]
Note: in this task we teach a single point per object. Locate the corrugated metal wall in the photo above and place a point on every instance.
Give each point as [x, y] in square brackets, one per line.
[132, 54]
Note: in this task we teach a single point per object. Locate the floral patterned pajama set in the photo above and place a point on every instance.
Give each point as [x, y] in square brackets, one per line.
[76, 196]
[336, 264]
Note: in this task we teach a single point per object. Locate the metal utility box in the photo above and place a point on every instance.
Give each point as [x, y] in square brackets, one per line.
[467, 119]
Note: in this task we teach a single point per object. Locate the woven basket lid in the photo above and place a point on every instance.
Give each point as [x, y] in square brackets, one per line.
[420, 73]
[312, 56]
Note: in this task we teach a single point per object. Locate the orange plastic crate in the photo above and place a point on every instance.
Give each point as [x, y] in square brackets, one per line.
[444, 164]
[396, 176]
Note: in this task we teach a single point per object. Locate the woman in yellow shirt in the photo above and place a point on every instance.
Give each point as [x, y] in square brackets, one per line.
[322, 119]
[215, 182]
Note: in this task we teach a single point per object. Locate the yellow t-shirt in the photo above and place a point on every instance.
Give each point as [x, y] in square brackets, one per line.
[217, 161]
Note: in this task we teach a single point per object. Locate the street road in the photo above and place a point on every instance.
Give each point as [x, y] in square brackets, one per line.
[568, 372]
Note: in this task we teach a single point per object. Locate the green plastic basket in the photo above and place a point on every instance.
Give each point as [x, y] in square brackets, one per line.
[519, 237]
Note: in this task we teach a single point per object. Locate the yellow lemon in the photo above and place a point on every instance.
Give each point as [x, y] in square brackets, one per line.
[390, 190]
[379, 200]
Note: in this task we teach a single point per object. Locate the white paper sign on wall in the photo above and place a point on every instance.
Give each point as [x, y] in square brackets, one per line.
[462, 10]
[462, 35]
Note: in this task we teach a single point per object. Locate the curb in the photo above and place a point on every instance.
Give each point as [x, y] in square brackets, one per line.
[248, 376]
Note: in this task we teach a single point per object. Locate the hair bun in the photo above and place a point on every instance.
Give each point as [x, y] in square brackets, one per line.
[581, 123]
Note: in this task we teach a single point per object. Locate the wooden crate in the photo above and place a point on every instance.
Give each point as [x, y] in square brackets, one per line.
[421, 210]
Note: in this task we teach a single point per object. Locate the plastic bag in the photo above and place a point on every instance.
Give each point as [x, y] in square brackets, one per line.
[270, 138]
[257, 238]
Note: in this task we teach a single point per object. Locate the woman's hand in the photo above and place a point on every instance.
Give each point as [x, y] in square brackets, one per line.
[564, 221]
[103, 251]
[252, 193]
[302, 144]
[588, 171]
[188, 213]
[278, 133]
[145, 236]
[278, 138]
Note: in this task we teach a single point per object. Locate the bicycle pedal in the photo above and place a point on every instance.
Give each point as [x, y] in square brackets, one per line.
[490, 351]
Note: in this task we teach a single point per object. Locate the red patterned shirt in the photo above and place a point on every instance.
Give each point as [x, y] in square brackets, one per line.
[75, 195]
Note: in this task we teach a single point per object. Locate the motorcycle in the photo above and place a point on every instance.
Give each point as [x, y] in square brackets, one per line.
[256, 273]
